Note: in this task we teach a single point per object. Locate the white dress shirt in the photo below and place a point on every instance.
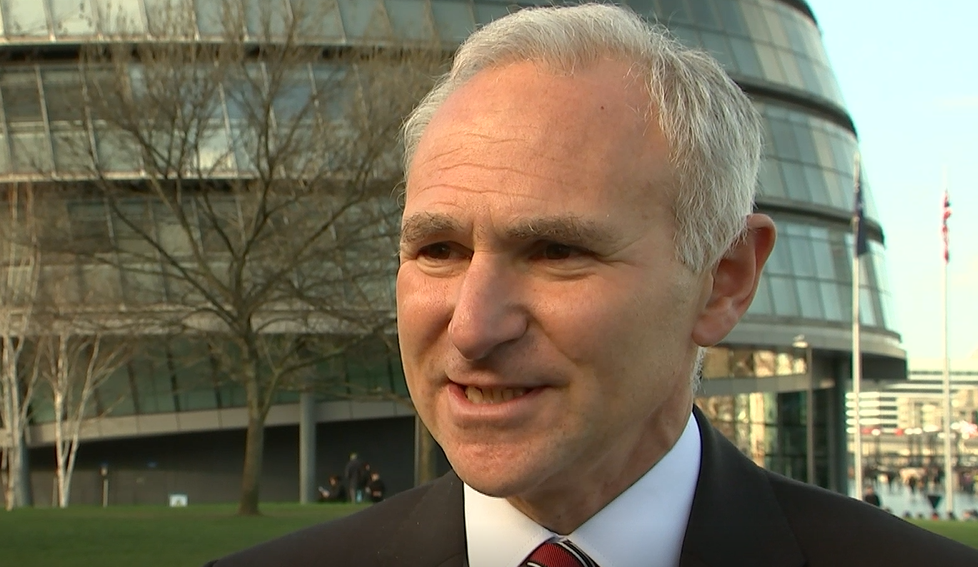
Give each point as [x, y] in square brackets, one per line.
[643, 527]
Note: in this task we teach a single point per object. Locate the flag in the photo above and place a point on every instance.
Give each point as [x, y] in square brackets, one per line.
[858, 213]
[947, 215]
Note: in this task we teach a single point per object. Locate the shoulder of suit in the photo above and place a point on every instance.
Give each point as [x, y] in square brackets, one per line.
[836, 530]
[355, 538]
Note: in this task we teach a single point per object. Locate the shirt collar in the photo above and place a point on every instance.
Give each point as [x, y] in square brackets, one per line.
[643, 527]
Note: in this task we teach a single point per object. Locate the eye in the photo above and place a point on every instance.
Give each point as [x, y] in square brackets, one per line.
[436, 251]
[556, 251]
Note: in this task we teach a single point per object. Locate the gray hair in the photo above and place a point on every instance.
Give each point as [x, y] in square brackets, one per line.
[712, 128]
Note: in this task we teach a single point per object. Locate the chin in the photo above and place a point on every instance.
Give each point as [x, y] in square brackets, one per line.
[495, 476]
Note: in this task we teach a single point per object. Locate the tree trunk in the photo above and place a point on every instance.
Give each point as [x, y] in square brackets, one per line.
[19, 477]
[251, 476]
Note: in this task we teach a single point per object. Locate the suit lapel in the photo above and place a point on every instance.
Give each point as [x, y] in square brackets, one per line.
[735, 518]
[433, 533]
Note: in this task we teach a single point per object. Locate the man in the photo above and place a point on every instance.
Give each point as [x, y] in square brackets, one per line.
[355, 473]
[577, 226]
[376, 490]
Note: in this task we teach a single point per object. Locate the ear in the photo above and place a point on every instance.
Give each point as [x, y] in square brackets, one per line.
[735, 280]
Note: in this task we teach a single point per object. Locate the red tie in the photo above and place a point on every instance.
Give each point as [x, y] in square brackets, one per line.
[558, 554]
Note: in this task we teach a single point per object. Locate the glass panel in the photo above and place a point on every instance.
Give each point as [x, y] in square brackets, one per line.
[4, 156]
[72, 17]
[784, 140]
[210, 17]
[756, 23]
[795, 181]
[811, 305]
[867, 308]
[770, 178]
[816, 185]
[769, 62]
[294, 96]
[673, 11]
[116, 151]
[115, 394]
[121, 16]
[171, 17]
[72, 151]
[364, 18]
[154, 389]
[143, 284]
[790, 67]
[194, 375]
[830, 300]
[30, 152]
[703, 14]
[323, 21]
[785, 298]
[64, 95]
[214, 152]
[453, 19]
[746, 57]
[101, 284]
[762, 299]
[410, 19]
[89, 225]
[25, 18]
[824, 265]
[802, 257]
[776, 26]
[271, 18]
[21, 97]
[716, 44]
[486, 12]
[731, 16]
[779, 262]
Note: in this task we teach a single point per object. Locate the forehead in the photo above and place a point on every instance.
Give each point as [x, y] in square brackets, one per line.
[523, 145]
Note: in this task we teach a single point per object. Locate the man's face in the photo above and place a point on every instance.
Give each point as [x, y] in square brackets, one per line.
[544, 320]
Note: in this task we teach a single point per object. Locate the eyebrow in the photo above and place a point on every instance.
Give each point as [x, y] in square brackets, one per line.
[559, 228]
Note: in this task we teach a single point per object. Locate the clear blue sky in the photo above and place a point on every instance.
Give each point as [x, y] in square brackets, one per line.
[908, 70]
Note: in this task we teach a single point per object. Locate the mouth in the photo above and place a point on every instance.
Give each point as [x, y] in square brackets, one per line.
[487, 396]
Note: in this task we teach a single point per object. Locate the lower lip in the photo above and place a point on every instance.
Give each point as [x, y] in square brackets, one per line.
[513, 409]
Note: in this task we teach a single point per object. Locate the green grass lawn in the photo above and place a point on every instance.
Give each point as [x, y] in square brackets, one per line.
[150, 536]
[135, 536]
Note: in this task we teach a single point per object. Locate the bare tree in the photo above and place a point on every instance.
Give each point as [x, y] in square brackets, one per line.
[248, 177]
[18, 291]
[73, 360]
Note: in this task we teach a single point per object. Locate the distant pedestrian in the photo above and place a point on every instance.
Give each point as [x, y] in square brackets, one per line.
[355, 476]
[870, 497]
[376, 488]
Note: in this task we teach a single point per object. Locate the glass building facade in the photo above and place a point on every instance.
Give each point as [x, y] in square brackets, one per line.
[756, 385]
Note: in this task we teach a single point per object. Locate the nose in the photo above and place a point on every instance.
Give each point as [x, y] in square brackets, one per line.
[488, 311]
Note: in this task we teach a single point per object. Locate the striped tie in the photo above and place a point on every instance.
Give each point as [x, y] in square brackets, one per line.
[556, 553]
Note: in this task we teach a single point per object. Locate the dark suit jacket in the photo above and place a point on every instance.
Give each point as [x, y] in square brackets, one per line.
[742, 516]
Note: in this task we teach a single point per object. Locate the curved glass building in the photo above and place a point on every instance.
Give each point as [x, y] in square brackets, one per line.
[775, 387]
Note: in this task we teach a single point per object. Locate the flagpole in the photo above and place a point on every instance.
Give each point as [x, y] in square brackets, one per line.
[948, 468]
[856, 351]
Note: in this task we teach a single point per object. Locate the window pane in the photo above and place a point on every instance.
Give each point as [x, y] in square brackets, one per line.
[154, 390]
[830, 300]
[63, 95]
[770, 178]
[731, 16]
[101, 284]
[410, 19]
[703, 15]
[486, 12]
[30, 152]
[115, 394]
[802, 257]
[785, 298]
[25, 18]
[72, 151]
[746, 57]
[121, 16]
[716, 44]
[364, 18]
[72, 17]
[21, 98]
[453, 18]
[673, 11]
[811, 299]
[762, 299]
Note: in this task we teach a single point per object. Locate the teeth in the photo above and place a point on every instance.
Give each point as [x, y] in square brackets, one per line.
[492, 395]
